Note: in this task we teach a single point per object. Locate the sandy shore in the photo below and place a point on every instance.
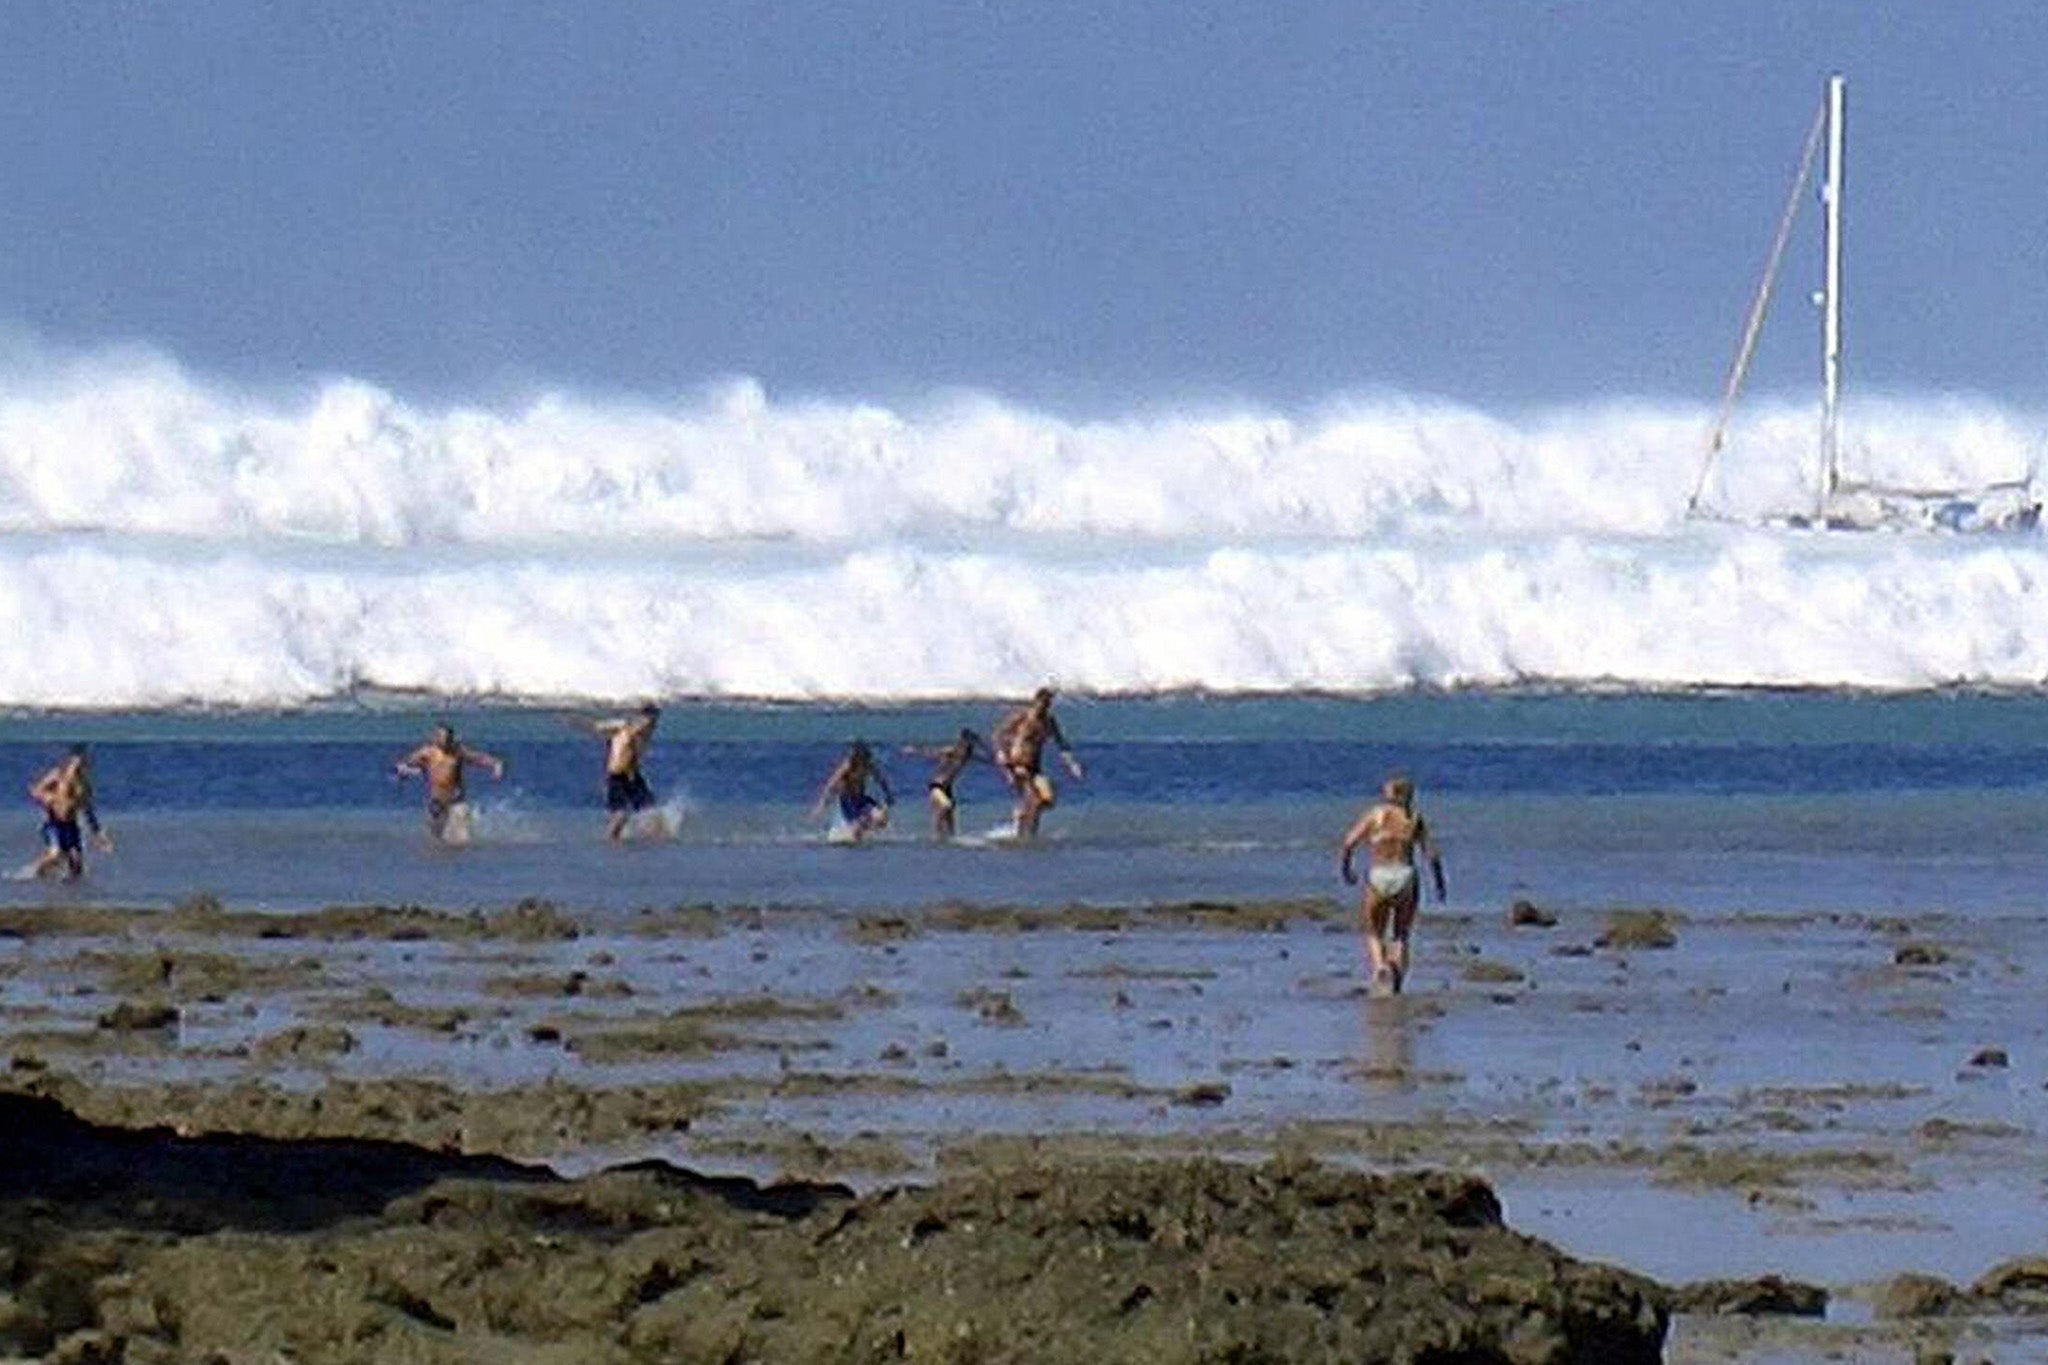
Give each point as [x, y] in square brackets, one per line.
[1840, 1100]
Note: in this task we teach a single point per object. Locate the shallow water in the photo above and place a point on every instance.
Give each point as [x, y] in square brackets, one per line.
[1721, 802]
[1775, 1085]
[1799, 1101]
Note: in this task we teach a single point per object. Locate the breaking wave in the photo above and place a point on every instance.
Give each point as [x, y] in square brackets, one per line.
[165, 541]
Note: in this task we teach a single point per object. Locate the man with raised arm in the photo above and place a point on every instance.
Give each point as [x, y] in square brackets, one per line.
[1020, 749]
[1395, 834]
[65, 794]
[626, 792]
[442, 760]
[951, 759]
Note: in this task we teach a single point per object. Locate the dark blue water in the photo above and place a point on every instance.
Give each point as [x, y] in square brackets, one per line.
[1739, 800]
[286, 774]
[1175, 751]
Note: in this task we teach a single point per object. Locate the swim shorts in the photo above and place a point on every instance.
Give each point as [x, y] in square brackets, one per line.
[63, 835]
[444, 815]
[627, 791]
[854, 807]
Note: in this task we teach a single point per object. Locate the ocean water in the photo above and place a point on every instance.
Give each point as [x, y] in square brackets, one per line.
[1808, 801]
[233, 592]
[166, 540]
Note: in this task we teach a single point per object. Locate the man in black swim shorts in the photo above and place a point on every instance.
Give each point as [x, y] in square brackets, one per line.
[625, 787]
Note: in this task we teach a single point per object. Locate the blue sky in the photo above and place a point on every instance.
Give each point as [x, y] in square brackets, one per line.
[1106, 205]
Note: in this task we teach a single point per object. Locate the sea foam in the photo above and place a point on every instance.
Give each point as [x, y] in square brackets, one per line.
[171, 541]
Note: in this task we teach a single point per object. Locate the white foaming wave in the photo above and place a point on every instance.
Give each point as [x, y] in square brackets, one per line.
[130, 443]
[111, 626]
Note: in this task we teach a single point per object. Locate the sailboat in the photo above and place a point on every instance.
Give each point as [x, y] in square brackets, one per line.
[1842, 503]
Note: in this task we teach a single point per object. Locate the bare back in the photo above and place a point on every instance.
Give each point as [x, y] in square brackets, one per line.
[625, 748]
[63, 791]
[1392, 833]
[952, 759]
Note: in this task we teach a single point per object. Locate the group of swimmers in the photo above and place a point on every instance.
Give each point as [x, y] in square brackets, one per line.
[444, 762]
[1018, 749]
[1392, 831]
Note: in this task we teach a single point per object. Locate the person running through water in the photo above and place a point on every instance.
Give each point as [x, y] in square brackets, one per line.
[1394, 833]
[442, 761]
[626, 792]
[951, 759]
[1020, 749]
[65, 794]
[858, 808]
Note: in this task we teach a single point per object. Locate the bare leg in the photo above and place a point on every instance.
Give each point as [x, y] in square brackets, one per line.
[1373, 910]
[1022, 825]
[615, 828]
[942, 815]
[1403, 908]
[1038, 799]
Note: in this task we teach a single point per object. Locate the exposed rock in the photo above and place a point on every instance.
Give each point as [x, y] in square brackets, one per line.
[1638, 929]
[1920, 955]
[320, 1040]
[1204, 1095]
[1913, 1295]
[2016, 1287]
[1529, 914]
[993, 1006]
[1990, 1057]
[139, 1016]
[140, 1246]
[1770, 1294]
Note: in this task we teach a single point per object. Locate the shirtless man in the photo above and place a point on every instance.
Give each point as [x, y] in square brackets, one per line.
[442, 760]
[1394, 833]
[951, 759]
[65, 794]
[1020, 749]
[626, 792]
[849, 782]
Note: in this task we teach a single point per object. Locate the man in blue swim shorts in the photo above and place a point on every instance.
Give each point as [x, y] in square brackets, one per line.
[859, 811]
[65, 794]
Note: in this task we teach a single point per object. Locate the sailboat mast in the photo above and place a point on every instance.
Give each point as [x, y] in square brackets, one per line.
[1831, 304]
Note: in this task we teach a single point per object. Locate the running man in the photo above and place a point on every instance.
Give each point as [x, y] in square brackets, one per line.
[951, 759]
[442, 760]
[626, 792]
[1020, 749]
[65, 794]
[1394, 833]
[862, 813]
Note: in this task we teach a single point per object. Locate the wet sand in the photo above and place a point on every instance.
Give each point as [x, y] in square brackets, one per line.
[1840, 1100]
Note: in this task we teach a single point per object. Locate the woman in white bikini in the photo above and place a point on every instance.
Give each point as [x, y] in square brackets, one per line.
[1394, 833]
